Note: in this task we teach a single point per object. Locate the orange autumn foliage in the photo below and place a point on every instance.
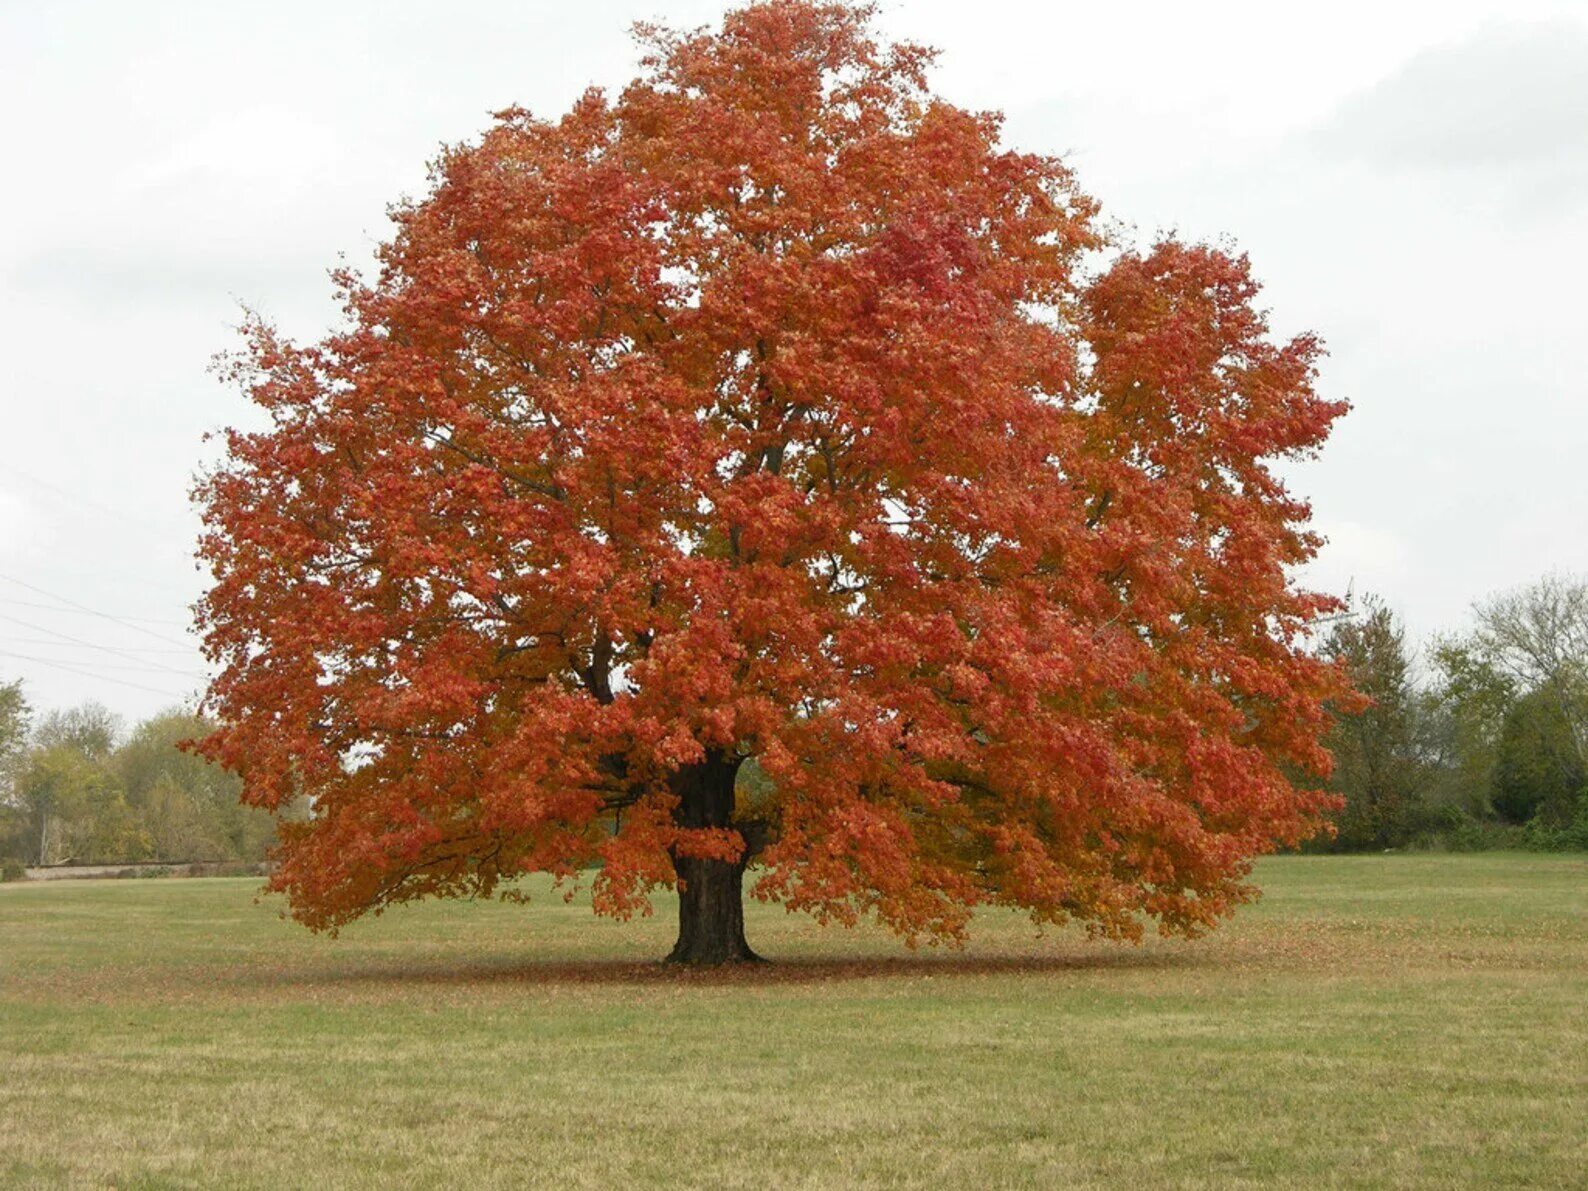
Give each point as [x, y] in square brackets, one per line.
[770, 410]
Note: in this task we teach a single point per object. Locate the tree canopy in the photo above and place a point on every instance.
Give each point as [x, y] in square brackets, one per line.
[769, 410]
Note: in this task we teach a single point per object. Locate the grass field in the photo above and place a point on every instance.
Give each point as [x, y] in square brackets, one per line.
[1417, 1021]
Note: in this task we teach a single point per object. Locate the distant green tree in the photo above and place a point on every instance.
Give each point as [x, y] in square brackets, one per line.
[14, 716]
[1464, 714]
[191, 807]
[79, 791]
[178, 828]
[90, 729]
[1377, 764]
[1538, 774]
[1539, 635]
[1513, 705]
[76, 809]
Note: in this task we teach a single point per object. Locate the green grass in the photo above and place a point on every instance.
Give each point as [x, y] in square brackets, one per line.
[1415, 1021]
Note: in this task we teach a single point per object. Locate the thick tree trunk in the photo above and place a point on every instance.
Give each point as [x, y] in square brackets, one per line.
[710, 914]
[711, 892]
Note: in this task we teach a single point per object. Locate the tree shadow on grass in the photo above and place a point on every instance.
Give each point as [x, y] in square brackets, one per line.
[797, 971]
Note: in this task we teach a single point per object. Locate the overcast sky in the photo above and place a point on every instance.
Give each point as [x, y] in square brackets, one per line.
[1410, 179]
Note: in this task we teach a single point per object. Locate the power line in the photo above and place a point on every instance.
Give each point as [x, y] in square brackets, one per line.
[137, 686]
[95, 666]
[92, 612]
[57, 644]
[38, 628]
[87, 502]
[80, 612]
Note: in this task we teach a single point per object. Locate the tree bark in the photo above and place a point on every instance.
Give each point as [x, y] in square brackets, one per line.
[710, 914]
[711, 892]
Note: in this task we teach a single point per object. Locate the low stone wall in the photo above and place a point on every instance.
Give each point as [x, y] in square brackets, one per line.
[70, 872]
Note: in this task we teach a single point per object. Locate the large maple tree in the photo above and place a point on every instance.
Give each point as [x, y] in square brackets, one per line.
[771, 415]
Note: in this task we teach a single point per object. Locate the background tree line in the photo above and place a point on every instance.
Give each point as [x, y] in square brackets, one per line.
[1482, 741]
[74, 787]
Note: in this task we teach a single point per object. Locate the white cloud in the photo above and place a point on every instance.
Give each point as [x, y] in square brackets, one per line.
[1506, 107]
